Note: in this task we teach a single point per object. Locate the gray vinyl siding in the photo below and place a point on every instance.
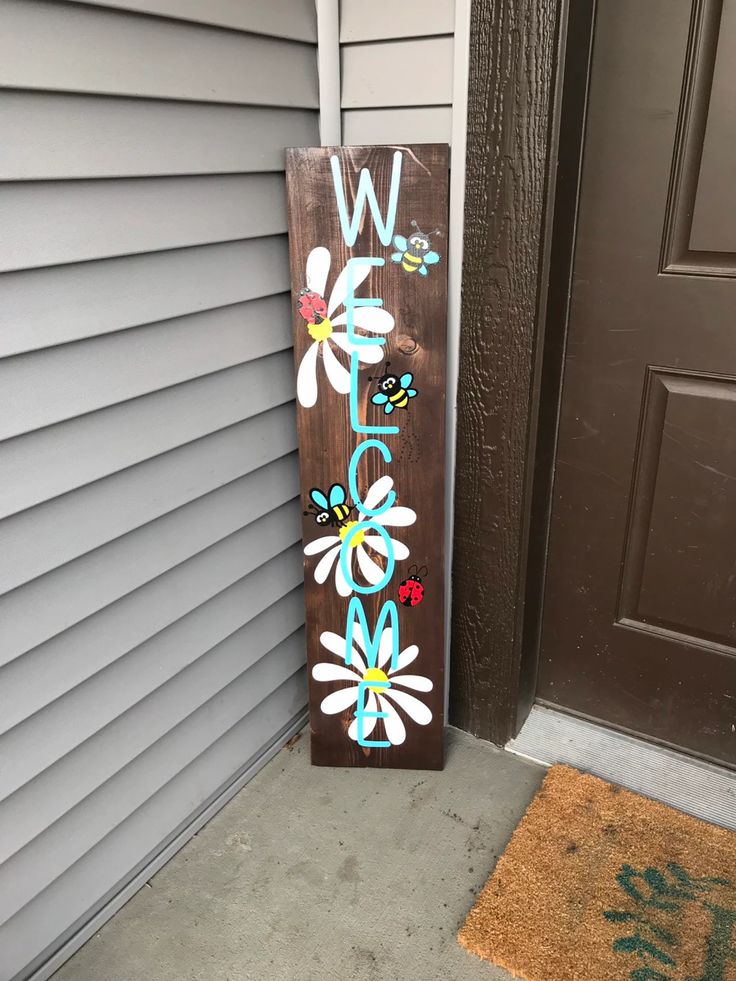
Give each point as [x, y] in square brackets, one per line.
[151, 610]
[397, 71]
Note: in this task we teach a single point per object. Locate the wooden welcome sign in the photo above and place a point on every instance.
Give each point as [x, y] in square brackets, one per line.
[368, 248]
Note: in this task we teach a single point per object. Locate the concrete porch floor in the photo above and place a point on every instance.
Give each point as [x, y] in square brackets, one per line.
[311, 874]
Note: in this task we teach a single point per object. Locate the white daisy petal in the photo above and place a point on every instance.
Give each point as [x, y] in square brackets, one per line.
[406, 657]
[339, 700]
[370, 354]
[369, 724]
[375, 319]
[320, 544]
[339, 377]
[334, 672]
[359, 636]
[395, 728]
[401, 552]
[324, 565]
[385, 648]
[340, 289]
[335, 644]
[306, 379]
[318, 266]
[341, 584]
[397, 517]
[377, 492]
[417, 682]
[371, 570]
[416, 710]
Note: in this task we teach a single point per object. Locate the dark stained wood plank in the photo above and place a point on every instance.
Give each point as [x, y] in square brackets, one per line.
[512, 61]
[416, 344]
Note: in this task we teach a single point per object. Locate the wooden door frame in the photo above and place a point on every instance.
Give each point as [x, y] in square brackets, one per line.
[528, 74]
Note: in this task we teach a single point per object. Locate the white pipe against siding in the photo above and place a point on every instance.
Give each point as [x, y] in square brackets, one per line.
[455, 275]
[328, 65]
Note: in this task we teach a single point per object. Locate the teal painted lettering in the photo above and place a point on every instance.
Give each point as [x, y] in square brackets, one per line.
[372, 643]
[355, 422]
[363, 714]
[366, 192]
[351, 302]
[353, 477]
[357, 529]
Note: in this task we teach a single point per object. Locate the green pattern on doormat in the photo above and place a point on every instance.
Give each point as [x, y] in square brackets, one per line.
[660, 898]
[600, 884]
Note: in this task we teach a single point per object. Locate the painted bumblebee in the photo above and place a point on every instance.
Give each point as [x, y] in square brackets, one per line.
[331, 508]
[416, 252]
[393, 392]
[411, 590]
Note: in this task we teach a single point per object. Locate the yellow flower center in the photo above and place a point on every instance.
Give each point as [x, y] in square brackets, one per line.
[320, 332]
[357, 538]
[375, 674]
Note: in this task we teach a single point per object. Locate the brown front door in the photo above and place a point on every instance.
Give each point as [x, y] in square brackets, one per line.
[639, 626]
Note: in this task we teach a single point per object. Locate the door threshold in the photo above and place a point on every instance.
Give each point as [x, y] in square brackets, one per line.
[702, 789]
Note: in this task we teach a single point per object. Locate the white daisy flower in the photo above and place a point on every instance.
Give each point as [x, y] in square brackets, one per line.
[363, 545]
[380, 698]
[321, 326]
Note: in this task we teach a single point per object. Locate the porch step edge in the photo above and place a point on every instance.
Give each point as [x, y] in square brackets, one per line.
[701, 789]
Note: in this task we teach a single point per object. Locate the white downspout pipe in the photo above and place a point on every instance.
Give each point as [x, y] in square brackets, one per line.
[461, 47]
[328, 66]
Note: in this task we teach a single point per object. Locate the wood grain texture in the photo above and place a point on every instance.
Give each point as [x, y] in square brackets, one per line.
[512, 60]
[416, 344]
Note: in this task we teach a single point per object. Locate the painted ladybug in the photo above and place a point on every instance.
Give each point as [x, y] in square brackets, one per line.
[411, 590]
[312, 306]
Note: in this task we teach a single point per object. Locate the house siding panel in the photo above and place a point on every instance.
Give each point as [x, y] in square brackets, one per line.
[52, 46]
[96, 219]
[151, 644]
[57, 135]
[387, 19]
[41, 308]
[397, 72]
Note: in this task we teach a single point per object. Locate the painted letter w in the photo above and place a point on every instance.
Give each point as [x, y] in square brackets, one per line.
[366, 192]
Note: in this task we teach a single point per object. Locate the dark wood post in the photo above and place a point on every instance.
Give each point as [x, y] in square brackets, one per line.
[513, 57]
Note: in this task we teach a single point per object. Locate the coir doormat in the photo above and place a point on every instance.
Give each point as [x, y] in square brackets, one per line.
[600, 884]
